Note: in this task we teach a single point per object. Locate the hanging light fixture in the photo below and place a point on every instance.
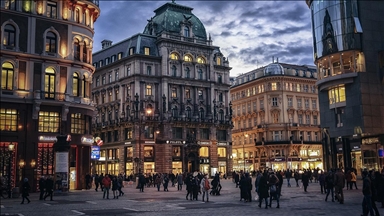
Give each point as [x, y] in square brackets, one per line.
[11, 146]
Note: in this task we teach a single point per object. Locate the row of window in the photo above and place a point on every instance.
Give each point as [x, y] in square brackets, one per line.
[50, 9]
[273, 86]
[276, 153]
[275, 136]
[48, 121]
[176, 152]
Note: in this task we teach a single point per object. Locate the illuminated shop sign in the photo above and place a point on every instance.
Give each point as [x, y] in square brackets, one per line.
[175, 142]
[203, 142]
[222, 143]
[87, 140]
[47, 139]
[95, 152]
[128, 143]
[313, 159]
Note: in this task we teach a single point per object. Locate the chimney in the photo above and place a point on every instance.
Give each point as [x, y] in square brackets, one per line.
[105, 44]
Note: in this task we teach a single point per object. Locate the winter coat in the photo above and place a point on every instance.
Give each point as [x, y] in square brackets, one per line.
[263, 188]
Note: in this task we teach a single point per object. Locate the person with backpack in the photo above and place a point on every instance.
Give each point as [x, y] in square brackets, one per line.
[329, 185]
[205, 187]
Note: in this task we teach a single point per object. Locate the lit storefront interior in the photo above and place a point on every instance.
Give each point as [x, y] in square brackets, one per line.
[129, 167]
[204, 159]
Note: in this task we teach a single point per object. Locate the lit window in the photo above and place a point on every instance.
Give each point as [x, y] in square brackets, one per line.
[221, 152]
[298, 87]
[274, 86]
[9, 38]
[50, 83]
[174, 93]
[76, 84]
[50, 42]
[119, 56]
[7, 73]
[146, 50]
[77, 15]
[337, 94]
[148, 90]
[204, 151]
[174, 56]
[131, 50]
[218, 61]
[49, 122]
[77, 123]
[200, 60]
[187, 93]
[8, 119]
[188, 58]
[148, 151]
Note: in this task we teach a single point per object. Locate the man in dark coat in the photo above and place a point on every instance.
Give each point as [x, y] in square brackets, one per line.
[305, 180]
[42, 187]
[25, 191]
[237, 179]
[280, 177]
[49, 188]
[245, 187]
[262, 189]
[142, 182]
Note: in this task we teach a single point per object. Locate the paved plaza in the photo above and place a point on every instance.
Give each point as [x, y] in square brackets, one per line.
[294, 201]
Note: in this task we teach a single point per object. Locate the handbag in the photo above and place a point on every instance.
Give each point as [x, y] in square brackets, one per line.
[272, 189]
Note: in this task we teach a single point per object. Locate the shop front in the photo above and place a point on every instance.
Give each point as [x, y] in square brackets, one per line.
[278, 163]
[356, 156]
[149, 159]
[177, 164]
[294, 163]
[370, 153]
[204, 165]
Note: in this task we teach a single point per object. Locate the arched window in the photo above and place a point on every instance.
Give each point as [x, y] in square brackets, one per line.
[186, 31]
[201, 113]
[188, 112]
[200, 60]
[85, 52]
[9, 38]
[50, 42]
[187, 73]
[50, 80]
[77, 15]
[76, 48]
[174, 71]
[84, 87]
[200, 72]
[221, 115]
[175, 112]
[188, 58]
[7, 72]
[76, 85]
[174, 56]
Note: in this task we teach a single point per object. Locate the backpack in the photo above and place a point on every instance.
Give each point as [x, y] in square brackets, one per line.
[206, 185]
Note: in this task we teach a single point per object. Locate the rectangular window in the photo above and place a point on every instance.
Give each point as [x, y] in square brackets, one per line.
[77, 123]
[298, 103]
[51, 9]
[290, 102]
[109, 136]
[115, 135]
[308, 119]
[128, 71]
[315, 120]
[119, 56]
[146, 50]
[254, 121]
[149, 132]
[8, 119]
[103, 81]
[49, 122]
[254, 106]
[97, 81]
[298, 87]
[221, 152]
[309, 136]
[109, 78]
[128, 133]
[174, 93]
[117, 75]
[306, 102]
[177, 133]
[148, 90]
[261, 104]
[337, 94]
[176, 152]
[204, 152]
[222, 135]
[314, 104]
[316, 137]
[277, 135]
[274, 86]
[204, 134]
[131, 50]
[274, 101]
[187, 93]
[300, 117]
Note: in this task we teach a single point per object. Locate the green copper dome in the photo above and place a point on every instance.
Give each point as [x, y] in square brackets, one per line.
[171, 18]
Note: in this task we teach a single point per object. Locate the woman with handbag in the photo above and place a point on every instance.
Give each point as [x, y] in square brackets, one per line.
[273, 189]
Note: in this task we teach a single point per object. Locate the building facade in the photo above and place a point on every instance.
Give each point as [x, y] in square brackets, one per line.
[46, 49]
[276, 119]
[158, 88]
[349, 55]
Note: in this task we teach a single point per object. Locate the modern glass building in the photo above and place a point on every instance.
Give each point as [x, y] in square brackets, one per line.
[348, 48]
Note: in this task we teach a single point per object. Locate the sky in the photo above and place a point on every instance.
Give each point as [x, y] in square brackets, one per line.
[249, 33]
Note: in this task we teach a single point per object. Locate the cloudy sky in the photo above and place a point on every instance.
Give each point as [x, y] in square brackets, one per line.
[248, 33]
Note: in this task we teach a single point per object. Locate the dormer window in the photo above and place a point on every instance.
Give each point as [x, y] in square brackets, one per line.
[146, 50]
[200, 60]
[218, 61]
[188, 58]
[186, 31]
[131, 50]
[174, 56]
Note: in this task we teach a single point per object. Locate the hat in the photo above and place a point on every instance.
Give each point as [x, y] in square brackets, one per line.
[26, 179]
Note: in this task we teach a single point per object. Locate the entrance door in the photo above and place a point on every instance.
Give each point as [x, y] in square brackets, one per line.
[192, 162]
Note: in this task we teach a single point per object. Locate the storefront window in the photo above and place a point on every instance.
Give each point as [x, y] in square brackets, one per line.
[128, 168]
[221, 152]
[129, 152]
[148, 151]
[49, 122]
[45, 156]
[177, 167]
[176, 151]
[204, 152]
[149, 167]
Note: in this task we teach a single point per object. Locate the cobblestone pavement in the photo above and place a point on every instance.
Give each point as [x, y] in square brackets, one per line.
[294, 201]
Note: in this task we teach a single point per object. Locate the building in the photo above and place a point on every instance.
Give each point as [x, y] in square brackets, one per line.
[46, 49]
[276, 119]
[349, 55]
[154, 90]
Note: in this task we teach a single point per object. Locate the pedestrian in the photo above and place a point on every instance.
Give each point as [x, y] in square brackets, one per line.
[296, 176]
[262, 190]
[120, 184]
[142, 182]
[25, 191]
[305, 180]
[246, 187]
[274, 189]
[97, 182]
[158, 181]
[237, 179]
[379, 183]
[329, 179]
[288, 176]
[188, 182]
[42, 187]
[321, 180]
[205, 186]
[339, 185]
[367, 192]
[87, 181]
[106, 182]
[348, 178]
[280, 177]
[49, 188]
[179, 182]
[101, 177]
[195, 188]
[114, 187]
[165, 182]
[353, 180]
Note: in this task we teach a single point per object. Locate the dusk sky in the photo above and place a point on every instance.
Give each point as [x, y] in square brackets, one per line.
[248, 33]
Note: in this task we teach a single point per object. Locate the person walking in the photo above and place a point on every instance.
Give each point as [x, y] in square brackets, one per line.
[106, 182]
[288, 176]
[120, 184]
[101, 177]
[179, 182]
[329, 179]
[188, 182]
[262, 190]
[296, 176]
[42, 187]
[25, 191]
[49, 188]
[348, 178]
[158, 181]
[367, 192]
[142, 182]
[274, 189]
[353, 180]
[305, 180]
[88, 181]
[97, 182]
[165, 182]
[339, 185]
[321, 180]
[114, 187]
[205, 186]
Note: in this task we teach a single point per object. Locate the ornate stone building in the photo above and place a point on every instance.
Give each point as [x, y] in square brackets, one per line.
[155, 89]
[276, 119]
[46, 49]
[349, 54]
